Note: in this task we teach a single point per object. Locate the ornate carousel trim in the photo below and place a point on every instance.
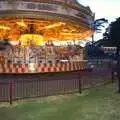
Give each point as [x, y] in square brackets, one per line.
[53, 10]
[46, 16]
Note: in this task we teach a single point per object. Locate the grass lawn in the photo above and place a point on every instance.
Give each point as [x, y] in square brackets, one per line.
[101, 103]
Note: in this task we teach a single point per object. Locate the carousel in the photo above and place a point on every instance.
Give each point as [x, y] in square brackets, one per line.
[43, 35]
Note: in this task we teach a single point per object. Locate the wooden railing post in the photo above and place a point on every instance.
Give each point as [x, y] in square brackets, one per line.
[10, 91]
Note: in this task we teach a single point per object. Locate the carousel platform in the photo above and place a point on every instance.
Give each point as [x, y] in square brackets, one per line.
[42, 68]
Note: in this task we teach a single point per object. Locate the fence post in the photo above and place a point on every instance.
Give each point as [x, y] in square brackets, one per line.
[112, 76]
[0, 88]
[80, 86]
[10, 91]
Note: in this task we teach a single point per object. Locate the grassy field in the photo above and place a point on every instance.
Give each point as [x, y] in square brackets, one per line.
[101, 103]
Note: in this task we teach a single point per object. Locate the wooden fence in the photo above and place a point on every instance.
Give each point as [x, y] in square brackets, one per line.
[15, 87]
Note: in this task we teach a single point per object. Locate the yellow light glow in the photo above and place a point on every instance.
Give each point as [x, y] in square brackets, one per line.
[57, 30]
[31, 39]
[32, 67]
[54, 25]
[4, 27]
[70, 34]
[21, 23]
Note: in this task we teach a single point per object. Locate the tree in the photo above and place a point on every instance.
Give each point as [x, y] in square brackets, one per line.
[97, 26]
[113, 34]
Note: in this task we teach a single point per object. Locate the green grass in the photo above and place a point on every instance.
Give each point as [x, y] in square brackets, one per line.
[103, 64]
[101, 103]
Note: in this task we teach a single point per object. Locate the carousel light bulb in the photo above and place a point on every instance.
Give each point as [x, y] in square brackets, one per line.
[21, 23]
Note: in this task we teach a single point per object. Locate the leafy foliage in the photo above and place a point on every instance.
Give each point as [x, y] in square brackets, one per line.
[99, 23]
[114, 33]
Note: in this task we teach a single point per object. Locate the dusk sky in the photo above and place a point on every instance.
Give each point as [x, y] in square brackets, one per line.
[109, 9]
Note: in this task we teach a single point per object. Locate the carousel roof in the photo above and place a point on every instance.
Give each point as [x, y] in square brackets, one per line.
[52, 19]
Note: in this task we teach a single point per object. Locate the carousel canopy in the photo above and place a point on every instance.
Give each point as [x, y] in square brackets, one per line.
[20, 20]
